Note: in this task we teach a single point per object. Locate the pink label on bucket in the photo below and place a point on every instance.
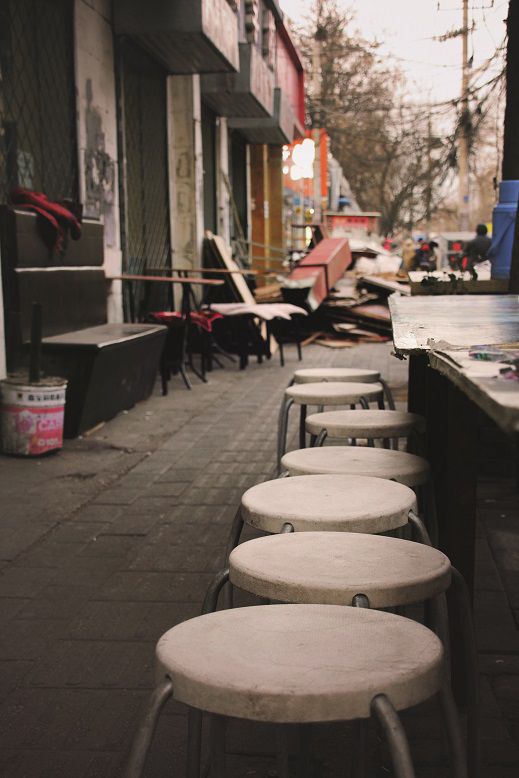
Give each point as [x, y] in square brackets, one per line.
[31, 431]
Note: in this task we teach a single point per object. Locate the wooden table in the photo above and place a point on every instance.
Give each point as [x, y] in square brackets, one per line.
[431, 331]
[451, 391]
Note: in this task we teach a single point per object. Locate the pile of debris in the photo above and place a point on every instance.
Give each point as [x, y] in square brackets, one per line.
[356, 311]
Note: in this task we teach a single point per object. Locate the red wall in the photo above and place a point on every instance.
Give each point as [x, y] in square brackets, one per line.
[289, 77]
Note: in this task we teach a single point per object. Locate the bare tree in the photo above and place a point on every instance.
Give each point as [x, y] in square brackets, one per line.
[394, 157]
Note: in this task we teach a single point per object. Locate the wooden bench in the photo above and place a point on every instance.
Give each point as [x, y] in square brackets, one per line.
[109, 367]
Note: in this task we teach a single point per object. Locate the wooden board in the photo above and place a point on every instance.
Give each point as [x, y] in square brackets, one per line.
[237, 281]
[479, 381]
[421, 324]
[382, 284]
[168, 280]
[326, 262]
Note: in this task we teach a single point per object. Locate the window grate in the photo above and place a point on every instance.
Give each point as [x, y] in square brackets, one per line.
[146, 240]
[38, 148]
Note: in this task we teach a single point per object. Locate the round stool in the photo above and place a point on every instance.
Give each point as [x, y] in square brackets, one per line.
[297, 664]
[408, 469]
[367, 571]
[345, 503]
[400, 466]
[334, 568]
[363, 375]
[333, 503]
[309, 375]
[371, 424]
[322, 394]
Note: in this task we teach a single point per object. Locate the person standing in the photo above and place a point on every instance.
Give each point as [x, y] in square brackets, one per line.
[476, 250]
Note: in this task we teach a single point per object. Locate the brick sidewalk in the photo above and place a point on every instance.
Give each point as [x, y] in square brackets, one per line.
[113, 541]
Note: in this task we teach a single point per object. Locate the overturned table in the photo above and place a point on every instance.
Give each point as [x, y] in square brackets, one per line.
[435, 333]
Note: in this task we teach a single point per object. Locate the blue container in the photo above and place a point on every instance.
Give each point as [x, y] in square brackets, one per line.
[503, 226]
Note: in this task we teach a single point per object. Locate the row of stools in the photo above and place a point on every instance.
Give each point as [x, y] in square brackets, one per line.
[336, 568]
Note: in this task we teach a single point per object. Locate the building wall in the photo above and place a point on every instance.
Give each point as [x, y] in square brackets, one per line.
[185, 171]
[2, 332]
[97, 131]
[289, 78]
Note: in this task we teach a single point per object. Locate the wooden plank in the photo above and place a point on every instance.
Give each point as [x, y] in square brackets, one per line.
[214, 270]
[164, 280]
[478, 380]
[442, 322]
[326, 263]
[238, 282]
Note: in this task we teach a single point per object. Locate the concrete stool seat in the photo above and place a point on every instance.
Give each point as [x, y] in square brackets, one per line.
[311, 374]
[323, 393]
[298, 664]
[345, 503]
[370, 424]
[408, 469]
[333, 392]
[334, 567]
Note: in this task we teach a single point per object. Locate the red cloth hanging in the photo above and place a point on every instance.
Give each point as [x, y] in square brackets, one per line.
[54, 218]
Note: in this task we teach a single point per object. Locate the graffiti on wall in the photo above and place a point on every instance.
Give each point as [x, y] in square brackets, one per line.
[99, 171]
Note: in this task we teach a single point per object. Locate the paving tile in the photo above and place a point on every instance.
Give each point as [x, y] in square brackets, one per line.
[130, 621]
[12, 673]
[55, 602]
[134, 524]
[11, 607]
[25, 639]
[24, 582]
[82, 719]
[155, 587]
[91, 664]
[59, 764]
[495, 627]
[176, 558]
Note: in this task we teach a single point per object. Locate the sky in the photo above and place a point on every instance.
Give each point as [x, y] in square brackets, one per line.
[405, 29]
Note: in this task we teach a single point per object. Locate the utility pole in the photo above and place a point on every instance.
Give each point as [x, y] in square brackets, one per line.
[510, 169]
[463, 140]
[317, 89]
[428, 191]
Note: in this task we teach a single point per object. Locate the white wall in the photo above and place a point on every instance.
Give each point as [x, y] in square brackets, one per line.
[185, 171]
[222, 173]
[97, 131]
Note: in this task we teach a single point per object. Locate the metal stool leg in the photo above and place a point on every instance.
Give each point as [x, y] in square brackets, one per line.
[321, 437]
[215, 587]
[419, 529]
[144, 736]
[234, 539]
[388, 394]
[302, 429]
[282, 429]
[234, 535]
[395, 736]
[452, 725]
[430, 510]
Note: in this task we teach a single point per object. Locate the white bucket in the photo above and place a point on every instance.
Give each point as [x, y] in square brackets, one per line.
[31, 417]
